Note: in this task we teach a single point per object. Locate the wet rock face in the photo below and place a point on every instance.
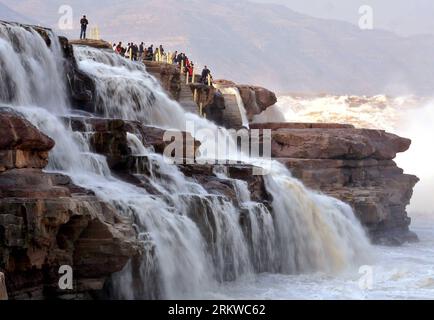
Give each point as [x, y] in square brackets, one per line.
[168, 75]
[16, 134]
[354, 165]
[46, 221]
[256, 99]
[109, 138]
[81, 87]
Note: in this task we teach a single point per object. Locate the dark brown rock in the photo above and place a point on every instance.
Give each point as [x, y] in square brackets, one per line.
[98, 44]
[340, 143]
[256, 99]
[299, 125]
[18, 134]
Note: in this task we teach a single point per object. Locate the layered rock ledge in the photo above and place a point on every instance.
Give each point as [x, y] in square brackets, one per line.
[354, 165]
[46, 221]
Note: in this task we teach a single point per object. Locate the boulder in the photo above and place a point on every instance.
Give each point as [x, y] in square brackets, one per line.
[256, 99]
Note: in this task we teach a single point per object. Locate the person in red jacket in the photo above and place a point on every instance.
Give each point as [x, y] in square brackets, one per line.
[190, 69]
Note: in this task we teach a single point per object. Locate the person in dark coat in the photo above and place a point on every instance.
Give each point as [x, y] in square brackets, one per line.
[141, 49]
[83, 22]
[135, 51]
[150, 55]
[205, 73]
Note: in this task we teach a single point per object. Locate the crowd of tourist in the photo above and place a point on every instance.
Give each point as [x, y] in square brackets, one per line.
[140, 52]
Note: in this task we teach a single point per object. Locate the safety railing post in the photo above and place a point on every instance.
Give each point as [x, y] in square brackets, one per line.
[195, 95]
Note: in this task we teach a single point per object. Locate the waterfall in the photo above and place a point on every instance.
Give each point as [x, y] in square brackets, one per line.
[30, 71]
[192, 239]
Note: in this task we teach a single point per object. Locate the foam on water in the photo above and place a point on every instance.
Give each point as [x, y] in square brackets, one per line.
[192, 239]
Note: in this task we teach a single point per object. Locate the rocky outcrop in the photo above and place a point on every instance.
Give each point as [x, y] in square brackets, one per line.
[109, 137]
[98, 44]
[335, 143]
[354, 165]
[256, 99]
[21, 145]
[81, 87]
[168, 75]
[46, 221]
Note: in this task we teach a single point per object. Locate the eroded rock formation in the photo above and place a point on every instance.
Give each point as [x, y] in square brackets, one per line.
[46, 221]
[354, 165]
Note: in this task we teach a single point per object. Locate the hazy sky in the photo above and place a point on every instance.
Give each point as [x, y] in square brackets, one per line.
[405, 17]
[308, 54]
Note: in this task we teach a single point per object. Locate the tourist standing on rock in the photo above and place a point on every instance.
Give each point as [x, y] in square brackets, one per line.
[205, 74]
[135, 52]
[83, 22]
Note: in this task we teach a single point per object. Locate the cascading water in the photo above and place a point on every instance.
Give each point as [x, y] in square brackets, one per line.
[192, 239]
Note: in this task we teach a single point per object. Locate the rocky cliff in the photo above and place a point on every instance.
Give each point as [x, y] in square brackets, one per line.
[354, 165]
[47, 221]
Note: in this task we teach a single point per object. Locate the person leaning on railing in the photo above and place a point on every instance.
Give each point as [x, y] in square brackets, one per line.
[206, 76]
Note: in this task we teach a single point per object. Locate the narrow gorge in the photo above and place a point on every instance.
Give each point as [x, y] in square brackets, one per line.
[84, 181]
